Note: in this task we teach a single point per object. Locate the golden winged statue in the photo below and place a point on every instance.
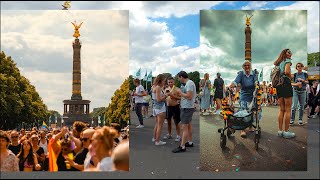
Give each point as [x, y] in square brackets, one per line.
[66, 5]
[76, 29]
[248, 20]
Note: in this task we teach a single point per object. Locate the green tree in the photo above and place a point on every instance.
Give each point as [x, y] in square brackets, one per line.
[118, 109]
[19, 100]
[312, 58]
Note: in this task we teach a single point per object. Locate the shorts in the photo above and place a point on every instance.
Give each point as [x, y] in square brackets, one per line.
[186, 115]
[174, 111]
[264, 96]
[285, 90]
[146, 104]
[156, 112]
[218, 95]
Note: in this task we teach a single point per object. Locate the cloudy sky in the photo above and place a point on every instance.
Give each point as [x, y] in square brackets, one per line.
[223, 40]
[164, 36]
[40, 42]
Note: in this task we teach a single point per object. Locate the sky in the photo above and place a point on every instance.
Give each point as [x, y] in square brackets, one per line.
[165, 36]
[223, 40]
[40, 42]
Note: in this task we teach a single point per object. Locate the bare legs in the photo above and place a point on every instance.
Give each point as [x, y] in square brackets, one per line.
[285, 113]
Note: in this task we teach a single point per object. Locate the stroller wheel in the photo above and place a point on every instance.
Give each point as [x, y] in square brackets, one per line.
[256, 141]
[223, 141]
[229, 133]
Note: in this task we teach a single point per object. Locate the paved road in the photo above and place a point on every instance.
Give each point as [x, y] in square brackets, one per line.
[274, 154]
[158, 161]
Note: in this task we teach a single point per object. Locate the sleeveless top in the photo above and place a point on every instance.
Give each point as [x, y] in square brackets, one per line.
[157, 104]
[44, 146]
[23, 163]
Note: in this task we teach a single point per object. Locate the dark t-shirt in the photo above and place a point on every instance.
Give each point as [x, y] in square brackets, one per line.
[61, 163]
[80, 157]
[218, 84]
[15, 149]
[40, 151]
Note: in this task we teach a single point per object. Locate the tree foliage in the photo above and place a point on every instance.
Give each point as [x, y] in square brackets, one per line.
[313, 57]
[118, 109]
[19, 100]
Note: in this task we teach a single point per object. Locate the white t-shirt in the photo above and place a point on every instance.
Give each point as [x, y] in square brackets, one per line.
[44, 146]
[139, 90]
[105, 164]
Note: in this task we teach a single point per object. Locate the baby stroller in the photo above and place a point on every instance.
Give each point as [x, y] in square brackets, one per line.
[241, 122]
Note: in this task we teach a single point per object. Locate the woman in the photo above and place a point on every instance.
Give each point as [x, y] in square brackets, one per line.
[8, 160]
[159, 108]
[300, 80]
[28, 161]
[101, 147]
[219, 89]
[247, 78]
[38, 151]
[153, 96]
[314, 98]
[205, 86]
[285, 93]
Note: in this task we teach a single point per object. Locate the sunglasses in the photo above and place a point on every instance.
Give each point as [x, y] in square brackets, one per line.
[14, 137]
[84, 139]
[64, 149]
[299, 66]
[247, 65]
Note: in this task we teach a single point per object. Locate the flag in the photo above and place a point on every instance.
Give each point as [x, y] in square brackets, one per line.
[145, 76]
[138, 73]
[260, 79]
[44, 125]
[149, 78]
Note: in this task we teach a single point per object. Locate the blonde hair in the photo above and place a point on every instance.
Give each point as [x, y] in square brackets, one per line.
[106, 135]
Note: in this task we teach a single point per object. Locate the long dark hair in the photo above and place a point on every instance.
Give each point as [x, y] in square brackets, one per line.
[30, 153]
[281, 57]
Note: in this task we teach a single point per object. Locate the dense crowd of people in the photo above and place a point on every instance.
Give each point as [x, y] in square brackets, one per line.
[80, 148]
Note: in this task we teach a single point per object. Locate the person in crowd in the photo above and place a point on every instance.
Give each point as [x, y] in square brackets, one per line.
[205, 86]
[43, 142]
[264, 93]
[8, 160]
[219, 86]
[39, 152]
[285, 93]
[300, 80]
[146, 102]
[138, 96]
[77, 128]
[28, 160]
[15, 146]
[101, 147]
[247, 78]
[173, 109]
[78, 162]
[159, 108]
[120, 157]
[188, 94]
[314, 98]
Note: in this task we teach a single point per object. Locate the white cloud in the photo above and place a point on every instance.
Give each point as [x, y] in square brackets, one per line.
[313, 21]
[40, 42]
[254, 5]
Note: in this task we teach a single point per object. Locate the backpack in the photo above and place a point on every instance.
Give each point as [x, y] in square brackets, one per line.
[276, 77]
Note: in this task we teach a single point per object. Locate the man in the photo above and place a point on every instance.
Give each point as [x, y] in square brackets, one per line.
[188, 95]
[15, 146]
[264, 93]
[120, 157]
[138, 97]
[173, 109]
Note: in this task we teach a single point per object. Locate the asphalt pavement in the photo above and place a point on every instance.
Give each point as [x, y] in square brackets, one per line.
[274, 153]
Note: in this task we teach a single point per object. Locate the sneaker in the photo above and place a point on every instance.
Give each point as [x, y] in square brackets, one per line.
[300, 123]
[140, 126]
[288, 134]
[168, 136]
[177, 139]
[179, 149]
[160, 143]
[187, 144]
[310, 116]
[205, 113]
[280, 133]
[153, 139]
[291, 123]
[314, 116]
